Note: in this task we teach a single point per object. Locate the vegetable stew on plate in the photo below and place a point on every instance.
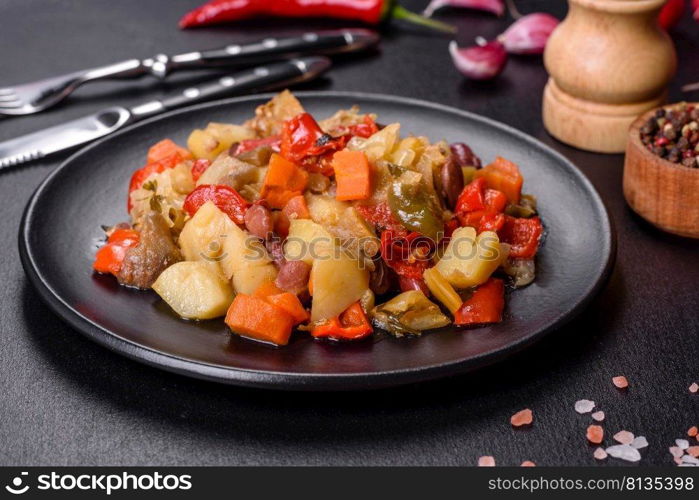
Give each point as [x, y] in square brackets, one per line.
[331, 228]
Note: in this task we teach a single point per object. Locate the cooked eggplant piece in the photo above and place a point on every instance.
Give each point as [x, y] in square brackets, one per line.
[155, 252]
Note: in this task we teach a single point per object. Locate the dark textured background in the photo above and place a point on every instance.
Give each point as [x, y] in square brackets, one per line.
[65, 400]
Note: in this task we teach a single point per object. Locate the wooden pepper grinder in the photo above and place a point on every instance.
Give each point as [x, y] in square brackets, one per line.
[608, 61]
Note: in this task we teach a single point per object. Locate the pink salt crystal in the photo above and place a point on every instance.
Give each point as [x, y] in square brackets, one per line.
[677, 460]
[598, 416]
[694, 388]
[521, 418]
[595, 434]
[693, 431]
[486, 461]
[639, 442]
[600, 454]
[584, 406]
[676, 451]
[620, 382]
[528, 463]
[694, 451]
[624, 437]
[682, 444]
[624, 452]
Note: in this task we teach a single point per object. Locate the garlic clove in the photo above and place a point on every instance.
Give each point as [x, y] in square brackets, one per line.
[529, 34]
[497, 7]
[479, 62]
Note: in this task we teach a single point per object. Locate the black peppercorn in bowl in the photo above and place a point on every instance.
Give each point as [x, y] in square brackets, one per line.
[661, 168]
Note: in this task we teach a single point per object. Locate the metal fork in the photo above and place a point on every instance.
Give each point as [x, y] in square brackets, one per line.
[36, 96]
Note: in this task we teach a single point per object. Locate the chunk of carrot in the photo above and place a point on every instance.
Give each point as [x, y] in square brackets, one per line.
[266, 289]
[352, 175]
[290, 304]
[284, 180]
[258, 319]
[504, 176]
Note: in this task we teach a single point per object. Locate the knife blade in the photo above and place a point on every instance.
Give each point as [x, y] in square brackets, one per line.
[89, 128]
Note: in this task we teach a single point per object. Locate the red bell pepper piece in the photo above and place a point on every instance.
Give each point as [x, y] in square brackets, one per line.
[351, 324]
[225, 198]
[399, 252]
[273, 141]
[481, 207]
[472, 197]
[484, 306]
[381, 217]
[522, 235]
[303, 137]
[491, 221]
[199, 167]
[495, 201]
[110, 256]
[365, 129]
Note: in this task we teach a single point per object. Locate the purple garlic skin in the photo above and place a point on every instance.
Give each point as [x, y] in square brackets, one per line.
[529, 34]
[480, 62]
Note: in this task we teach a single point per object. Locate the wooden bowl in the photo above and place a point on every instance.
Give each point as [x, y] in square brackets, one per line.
[666, 194]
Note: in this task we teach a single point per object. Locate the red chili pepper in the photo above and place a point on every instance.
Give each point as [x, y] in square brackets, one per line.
[110, 256]
[671, 13]
[352, 324]
[368, 11]
[225, 198]
[484, 306]
[250, 144]
[522, 235]
[199, 168]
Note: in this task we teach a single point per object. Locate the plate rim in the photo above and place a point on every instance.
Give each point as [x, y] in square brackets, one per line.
[293, 380]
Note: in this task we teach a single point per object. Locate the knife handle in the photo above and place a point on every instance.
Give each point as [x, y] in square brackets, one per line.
[270, 49]
[265, 77]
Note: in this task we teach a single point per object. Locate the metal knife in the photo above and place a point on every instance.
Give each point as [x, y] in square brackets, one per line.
[83, 130]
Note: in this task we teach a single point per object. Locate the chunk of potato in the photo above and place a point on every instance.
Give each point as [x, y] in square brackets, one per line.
[212, 237]
[469, 260]
[307, 241]
[203, 236]
[342, 220]
[337, 283]
[247, 279]
[194, 291]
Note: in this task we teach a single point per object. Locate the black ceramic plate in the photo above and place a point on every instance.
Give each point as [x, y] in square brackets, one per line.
[60, 232]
